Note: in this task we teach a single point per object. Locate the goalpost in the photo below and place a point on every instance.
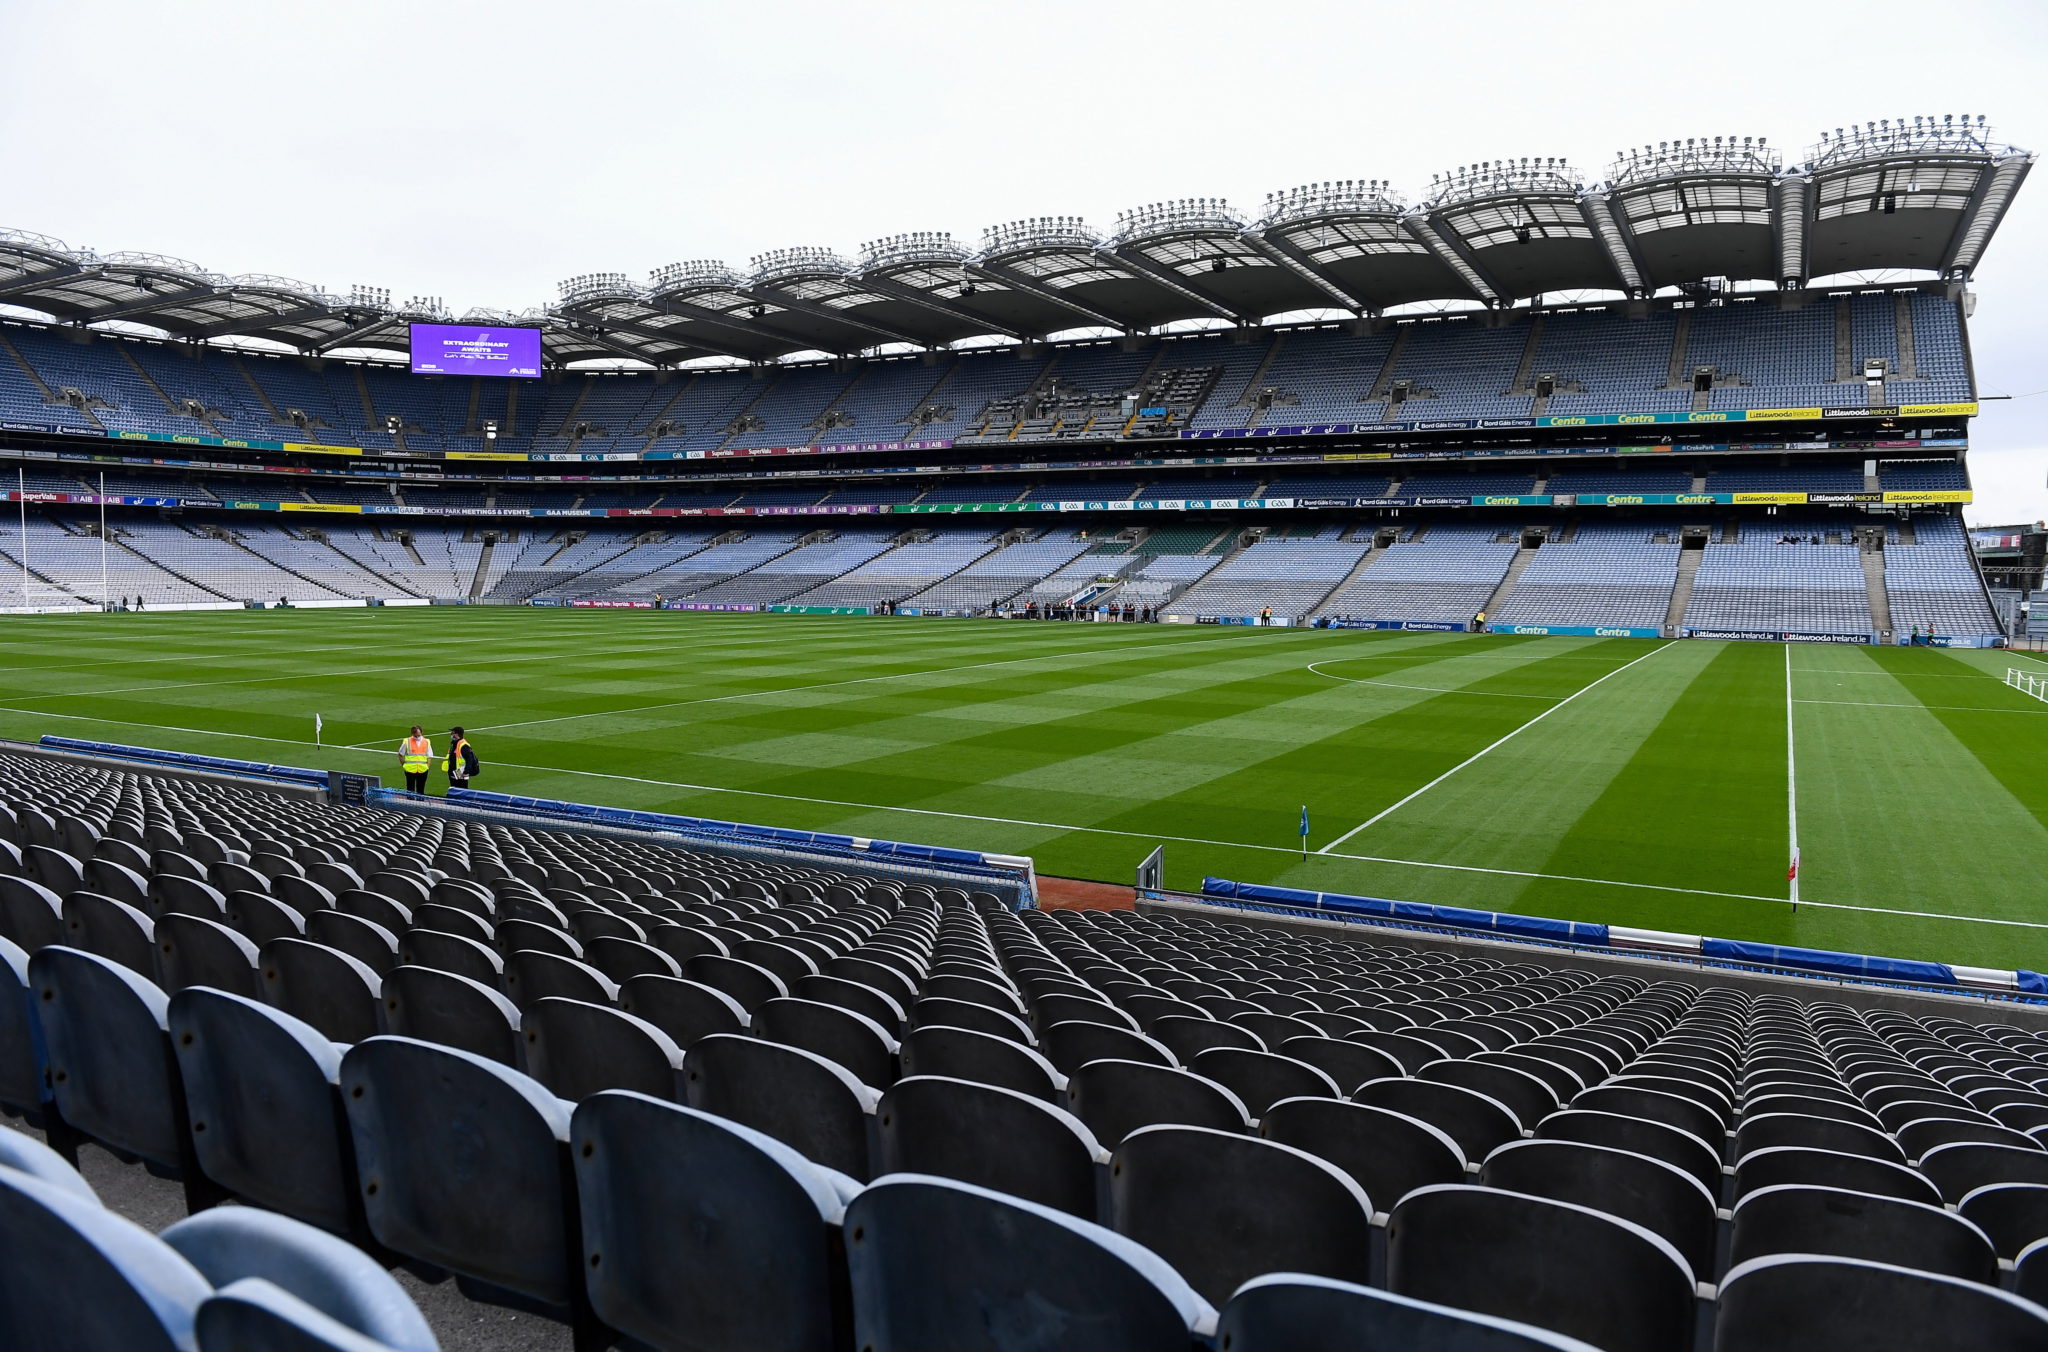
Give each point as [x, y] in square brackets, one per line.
[2027, 683]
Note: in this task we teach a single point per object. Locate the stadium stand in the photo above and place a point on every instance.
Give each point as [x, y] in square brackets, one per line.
[1444, 576]
[1762, 582]
[1288, 576]
[1603, 575]
[378, 1027]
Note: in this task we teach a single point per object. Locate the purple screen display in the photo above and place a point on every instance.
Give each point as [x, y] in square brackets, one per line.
[472, 350]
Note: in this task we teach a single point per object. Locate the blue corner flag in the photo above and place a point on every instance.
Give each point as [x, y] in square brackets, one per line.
[1304, 830]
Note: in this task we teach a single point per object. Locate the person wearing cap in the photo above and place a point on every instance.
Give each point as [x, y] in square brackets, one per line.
[461, 762]
[415, 757]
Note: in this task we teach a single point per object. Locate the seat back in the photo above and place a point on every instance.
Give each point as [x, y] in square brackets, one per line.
[699, 1224]
[463, 1164]
[991, 1137]
[261, 1097]
[78, 1276]
[1224, 1208]
[1290, 1312]
[111, 1071]
[1792, 1303]
[576, 1049]
[962, 1054]
[814, 1106]
[1841, 1224]
[323, 986]
[688, 1011]
[1116, 1098]
[941, 1264]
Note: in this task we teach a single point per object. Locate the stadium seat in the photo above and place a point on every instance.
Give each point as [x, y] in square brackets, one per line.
[2012, 1215]
[1555, 1265]
[1659, 1197]
[113, 929]
[464, 1166]
[1224, 1208]
[25, 1154]
[23, 1088]
[1834, 1223]
[853, 1040]
[1831, 1169]
[1348, 1064]
[1387, 1153]
[194, 951]
[455, 954]
[941, 1264]
[961, 1054]
[1798, 1301]
[687, 1011]
[575, 1049]
[262, 1097]
[704, 1235]
[1074, 1043]
[432, 1005]
[532, 976]
[330, 990]
[933, 1011]
[992, 1137]
[1116, 1098]
[1477, 1123]
[1293, 1312]
[31, 915]
[364, 940]
[814, 1106]
[1188, 1037]
[1654, 1139]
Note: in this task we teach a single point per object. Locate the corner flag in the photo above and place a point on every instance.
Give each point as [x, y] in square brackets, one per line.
[1792, 873]
[317, 725]
[1304, 830]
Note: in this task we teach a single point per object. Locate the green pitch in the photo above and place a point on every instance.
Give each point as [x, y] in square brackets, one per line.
[1627, 781]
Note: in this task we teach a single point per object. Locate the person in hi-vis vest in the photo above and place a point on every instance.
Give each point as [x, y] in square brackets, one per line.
[461, 761]
[416, 757]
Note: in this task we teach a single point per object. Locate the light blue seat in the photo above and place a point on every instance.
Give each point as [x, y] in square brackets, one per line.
[991, 1136]
[340, 1281]
[22, 1085]
[25, 1154]
[813, 1105]
[255, 1314]
[577, 1049]
[79, 1277]
[1293, 1312]
[703, 1234]
[262, 1097]
[939, 1264]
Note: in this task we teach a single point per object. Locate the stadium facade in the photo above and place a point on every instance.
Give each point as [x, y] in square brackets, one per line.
[1709, 393]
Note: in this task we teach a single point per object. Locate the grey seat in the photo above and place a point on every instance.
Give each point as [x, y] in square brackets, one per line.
[1048, 1010]
[262, 918]
[31, 915]
[1964, 1166]
[1831, 1169]
[1659, 1140]
[1116, 1098]
[1076, 1042]
[1655, 1106]
[431, 1005]
[513, 935]
[1814, 1133]
[703, 1234]
[1290, 1312]
[23, 1085]
[1555, 1265]
[193, 951]
[25, 1154]
[453, 953]
[531, 977]
[991, 1137]
[113, 929]
[1527, 1097]
[1348, 1064]
[749, 984]
[2013, 1215]
[1261, 1079]
[934, 1011]
[1840, 1224]
[935, 1263]
[814, 1106]
[962, 1054]
[110, 1067]
[1660, 1197]
[1477, 1123]
[1412, 1052]
[1187, 1036]
[623, 959]
[576, 1049]
[1224, 1208]
[878, 1005]
[176, 894]
[323, 986]
[1794, 1302]
[263, 1099]
[1387, 1153]
[364, 940]
[853, 1040]
[464, 1165]
[688, 1011]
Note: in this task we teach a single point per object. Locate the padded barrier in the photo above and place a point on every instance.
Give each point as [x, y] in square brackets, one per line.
[998, 867]
[1856, 966]
[297, 774]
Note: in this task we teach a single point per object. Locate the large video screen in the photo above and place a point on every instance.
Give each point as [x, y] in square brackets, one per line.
[471, 350]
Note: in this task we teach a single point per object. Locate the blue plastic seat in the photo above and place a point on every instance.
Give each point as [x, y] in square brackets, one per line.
[1292, 1312]
[939, 1264]
[703, 1235]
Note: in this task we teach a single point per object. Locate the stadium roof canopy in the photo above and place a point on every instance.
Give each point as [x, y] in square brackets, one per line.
[1924, 195]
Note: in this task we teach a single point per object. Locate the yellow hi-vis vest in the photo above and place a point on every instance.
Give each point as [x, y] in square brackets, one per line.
[416, 754]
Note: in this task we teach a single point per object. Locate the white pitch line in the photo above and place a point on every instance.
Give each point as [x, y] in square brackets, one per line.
[1093, 830]
[1396, 685]
[1945, 708]
[1491, 747]
[1791, 787]
[857, 680]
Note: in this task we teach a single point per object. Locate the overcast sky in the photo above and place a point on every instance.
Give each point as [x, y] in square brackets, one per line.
[482, 152]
